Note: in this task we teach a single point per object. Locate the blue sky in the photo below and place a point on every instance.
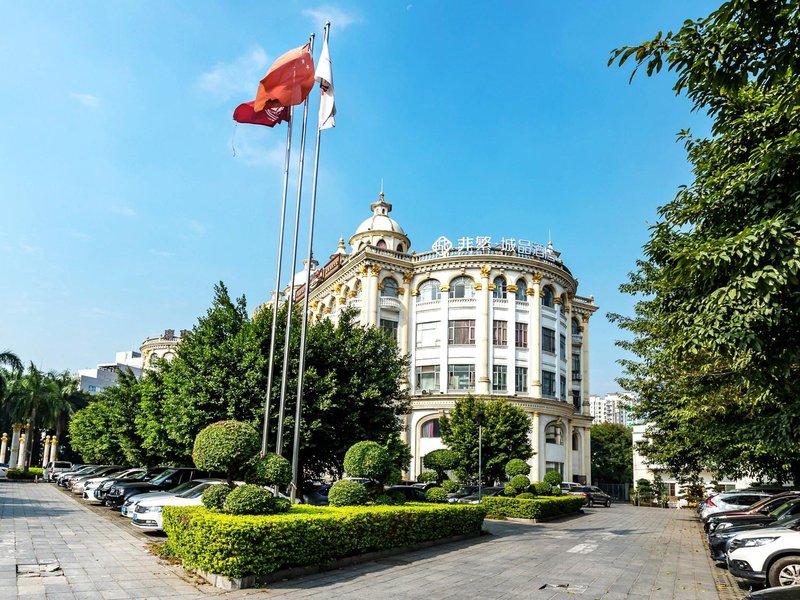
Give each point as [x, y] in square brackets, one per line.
[121, 202]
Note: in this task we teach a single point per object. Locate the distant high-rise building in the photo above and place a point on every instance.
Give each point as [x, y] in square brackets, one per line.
[611, 408]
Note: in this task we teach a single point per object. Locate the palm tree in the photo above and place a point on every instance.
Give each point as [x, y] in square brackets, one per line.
[68, 399]
[11, 360]
[27, 395]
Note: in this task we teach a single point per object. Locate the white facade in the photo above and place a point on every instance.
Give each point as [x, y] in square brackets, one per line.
[99, 378]
[161, 347]
[611, 408]
[488, 319]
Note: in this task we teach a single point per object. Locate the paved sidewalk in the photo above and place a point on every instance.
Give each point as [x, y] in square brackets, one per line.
[613, 554]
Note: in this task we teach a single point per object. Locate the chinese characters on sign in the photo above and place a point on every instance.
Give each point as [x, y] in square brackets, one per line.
[483, 244]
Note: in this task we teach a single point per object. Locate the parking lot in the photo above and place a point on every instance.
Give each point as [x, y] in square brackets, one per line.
[620, 552]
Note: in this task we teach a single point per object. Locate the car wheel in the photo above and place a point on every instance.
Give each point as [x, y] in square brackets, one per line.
[608, 503]
[785, 571]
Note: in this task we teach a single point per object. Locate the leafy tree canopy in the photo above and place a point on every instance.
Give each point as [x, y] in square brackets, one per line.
[612, 453]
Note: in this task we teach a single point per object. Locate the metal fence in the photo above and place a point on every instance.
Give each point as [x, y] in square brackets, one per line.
[618, 491]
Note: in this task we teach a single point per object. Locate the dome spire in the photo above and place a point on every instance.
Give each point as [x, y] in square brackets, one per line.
[381, 207]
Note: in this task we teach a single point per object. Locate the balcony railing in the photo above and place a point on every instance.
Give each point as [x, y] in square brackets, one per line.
[577, 339]
[389, 302]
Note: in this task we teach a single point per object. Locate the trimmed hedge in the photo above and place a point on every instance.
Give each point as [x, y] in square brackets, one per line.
[237, 546]
[214, 496]
[32, 473]
[500, 507]
[347, 492]
[436, 494]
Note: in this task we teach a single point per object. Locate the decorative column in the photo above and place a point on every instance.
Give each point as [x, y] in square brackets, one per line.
[444, 355]
[3, 446]
[364, 294]
[373, 295]
[511, 338]
[535, 336]
[482, 380]
[15, 434]
[54, 449]
[587, 455]
[585, 348]
[405, 317]
[559, 391]
[536, 471]
[568, 450]
[46, 452]
[21, 456]
[568, 336]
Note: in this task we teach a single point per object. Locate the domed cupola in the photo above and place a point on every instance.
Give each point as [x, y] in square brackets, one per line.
[380, 230]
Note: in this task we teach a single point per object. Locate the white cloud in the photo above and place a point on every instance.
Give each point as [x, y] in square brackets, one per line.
[339, 19]
[86, 99]
[161, 253]
[237, 78]
[122, 210]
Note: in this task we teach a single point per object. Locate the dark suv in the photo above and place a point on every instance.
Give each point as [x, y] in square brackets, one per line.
[101, 492]
[594, 495]
[170, 478]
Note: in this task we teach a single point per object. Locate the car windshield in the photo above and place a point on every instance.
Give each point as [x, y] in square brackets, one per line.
[466, 490]
[195, 491]
[788, 520]
[783, 508]
[128, 473]
[183, 487]
[165, 475]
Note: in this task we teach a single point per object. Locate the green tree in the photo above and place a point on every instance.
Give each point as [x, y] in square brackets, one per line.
[716, 364]
[505, 436]
[227, 446]
[612, 453]
[441, 461]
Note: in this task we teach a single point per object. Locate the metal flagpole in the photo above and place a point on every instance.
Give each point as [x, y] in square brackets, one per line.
[271, 369]
[290, 298]
[302, 362]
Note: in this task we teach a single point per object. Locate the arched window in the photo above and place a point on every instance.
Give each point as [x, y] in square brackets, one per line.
[576, 327]
[462, 287]
[522, 290]
[430, 429]
[553, 434]
[548, 299]
[381, 244]
[429, 290]
[576, 442]
[499, 287]
[400, 247]
[389, 288]
[357, 288]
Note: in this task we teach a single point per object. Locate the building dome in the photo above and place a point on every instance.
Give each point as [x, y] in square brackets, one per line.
[380, 229]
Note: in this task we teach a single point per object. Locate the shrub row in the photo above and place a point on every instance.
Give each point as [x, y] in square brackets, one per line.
[499, 507]
[32, 473]
[237, 546]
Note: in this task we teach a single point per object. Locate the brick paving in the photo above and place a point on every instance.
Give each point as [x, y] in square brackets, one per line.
[617, 553]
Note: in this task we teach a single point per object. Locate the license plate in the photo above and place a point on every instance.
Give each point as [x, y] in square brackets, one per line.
[135, 517]
[123, 510]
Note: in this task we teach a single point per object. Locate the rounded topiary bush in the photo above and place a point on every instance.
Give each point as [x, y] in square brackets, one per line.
[347, 493]
[543, 488]
[526, 496]
[450, 486]
[510, 490]
[271, 470]
[384, 499]
[520, 482]
[225, 446]
[517, 466]
[556, 490]
[368, 459]
[397, 497]
[553, 478]
[436, 494]
[249, 499]
[441, 461]
[214, 496]
[426, 477]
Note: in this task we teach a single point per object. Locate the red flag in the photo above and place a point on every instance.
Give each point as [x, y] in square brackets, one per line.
[245, 113]
[288, 81]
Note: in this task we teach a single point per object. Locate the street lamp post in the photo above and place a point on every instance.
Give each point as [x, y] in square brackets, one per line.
[479, 420]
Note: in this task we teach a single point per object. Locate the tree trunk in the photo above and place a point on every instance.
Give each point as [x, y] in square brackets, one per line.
[32, 441]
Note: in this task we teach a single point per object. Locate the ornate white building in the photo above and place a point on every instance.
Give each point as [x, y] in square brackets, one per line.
[492, 319]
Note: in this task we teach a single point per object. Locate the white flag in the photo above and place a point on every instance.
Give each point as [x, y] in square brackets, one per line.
[324, 74]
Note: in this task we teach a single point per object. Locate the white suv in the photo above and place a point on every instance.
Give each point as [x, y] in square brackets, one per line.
[770, 556]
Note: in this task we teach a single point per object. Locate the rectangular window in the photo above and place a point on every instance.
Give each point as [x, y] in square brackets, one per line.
[562, 348]
[501, 333]
[576, 367]
[548, 340]
[427, 334]
[461, 332]
[521, 335]
[428, 378]
[499, 377]
[389, 327]
[548, 383]
[554, 466]
[521, 379]
[461, 377]
[562, 392]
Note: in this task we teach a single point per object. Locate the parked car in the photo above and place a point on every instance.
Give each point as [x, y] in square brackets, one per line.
[316, 494]
[53, 468]
[462, 492]
[76, 484]
[65, 479]
[487, 491]
[789, 506]
[101, 492]
[768, 556]
[148, 516]
[91, 484]
[719, 541]
[762, 506]
[169, 479]
[569, 486]
[425, 486]
[129, 507]
[3, 470]
[735, 500]
[593, 496]
[410, 492]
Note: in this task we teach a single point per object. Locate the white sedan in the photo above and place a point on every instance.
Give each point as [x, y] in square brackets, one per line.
[147, 515]
[91, 484]
[129, 507]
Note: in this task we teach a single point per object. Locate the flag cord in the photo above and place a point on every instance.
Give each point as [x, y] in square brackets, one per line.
[233, 139]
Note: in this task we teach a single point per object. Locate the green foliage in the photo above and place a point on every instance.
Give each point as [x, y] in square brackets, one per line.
[505, 436]
[399, 453]
[543, 488]
[520, 482]
[225, 446]
[427, 477]
[644, 490]
[368, 459]
[214, 496]
[526, 496]
[236, 546]
[450, 486]
[500, 507]
[553, 478]
[715, 330]
[517, 466]
[346, 492]
[384, 500]
[270, 470]
[612, 453]
[436, 494]
[249, 499]
[21, 474]
[441, 461]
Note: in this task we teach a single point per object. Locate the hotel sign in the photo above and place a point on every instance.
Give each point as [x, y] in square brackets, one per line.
[483, 245]
[319, 276]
